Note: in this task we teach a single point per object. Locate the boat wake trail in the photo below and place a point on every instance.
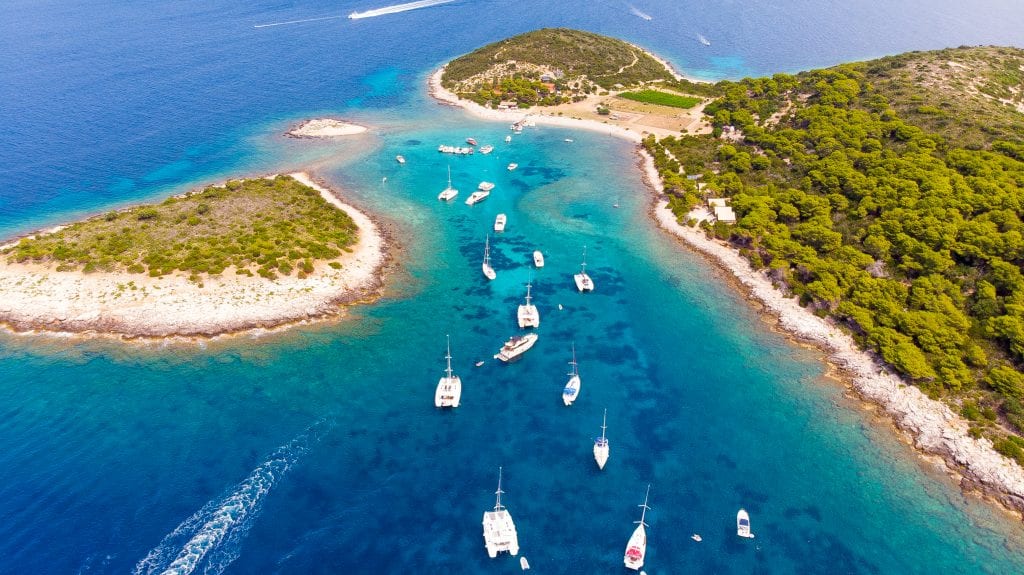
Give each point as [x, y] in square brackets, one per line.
[297, 21]
[395, 9]
[211, 536]
[636, 12]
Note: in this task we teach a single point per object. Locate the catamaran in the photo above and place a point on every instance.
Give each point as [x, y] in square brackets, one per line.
[538, 259]
[528, 315]
[516, 346]
[499, 529]
[572, 387]
[636, 549]
[449, 388]
[499, 222]
[743, 524]
[486, 267]
[583, 281]
[448, 193]
[601, 444]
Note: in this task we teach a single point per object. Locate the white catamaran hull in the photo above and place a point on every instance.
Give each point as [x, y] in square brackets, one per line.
[500, 533]
[583, 282]
[449, 392]
[528, 316]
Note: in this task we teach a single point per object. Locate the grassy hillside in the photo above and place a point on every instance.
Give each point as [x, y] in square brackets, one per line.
[578, 62]
[269, 227]
[888, 195]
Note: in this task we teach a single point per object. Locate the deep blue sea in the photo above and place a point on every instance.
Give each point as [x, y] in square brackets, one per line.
[318, 450]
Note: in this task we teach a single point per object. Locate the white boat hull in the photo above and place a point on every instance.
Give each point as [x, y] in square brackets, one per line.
[500, 533]
[449, 392]
[601, 454]
[528, 316]
[510, 352]
[583, 282]
[499, 223]
[571, 391]
[538, 259]
[489, 272]
[743, 524]
[447, 195]
[636, 549]
[477, 197]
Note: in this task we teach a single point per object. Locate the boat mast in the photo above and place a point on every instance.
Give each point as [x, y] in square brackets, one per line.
[529, 284]
[604, 425]
[574, 371]
[584, 264]
[487, 250]
[449, 356]
[643, 514]
[449, 176]
[497, 503]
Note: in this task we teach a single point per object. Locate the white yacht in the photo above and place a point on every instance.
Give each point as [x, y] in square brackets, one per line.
[516, 346]
[601, 444]
[743, 524]
[449, 388]
[538, 259]
[528, 315]
[448, 193]
[572, 387]
[508, 139]
[477, 197]
[486, 267]
[485, 186]
[499, 529]
[400, 159]
[636, 549]
[499, 223]
[583, 281]
[512, 166]
[486, 149]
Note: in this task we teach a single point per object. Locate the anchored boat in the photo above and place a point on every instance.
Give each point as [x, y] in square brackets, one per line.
[499, 529]
[486, 267]
[583, 281]
[449, 388]
[516, 346]
[527, 314]
[499, 222]
[572, 387]
[448, 193]
[743, 524]
[636, 549]
[601, 444]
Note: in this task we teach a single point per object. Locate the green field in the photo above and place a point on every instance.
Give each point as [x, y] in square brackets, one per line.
[661, 98]
[267, 226]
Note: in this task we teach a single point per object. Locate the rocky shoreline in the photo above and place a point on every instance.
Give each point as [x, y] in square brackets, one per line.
[38, 299]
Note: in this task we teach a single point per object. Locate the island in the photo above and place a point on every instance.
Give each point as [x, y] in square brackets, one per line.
[251, 253]
[325, 128]
[872, 208]
[577, 79]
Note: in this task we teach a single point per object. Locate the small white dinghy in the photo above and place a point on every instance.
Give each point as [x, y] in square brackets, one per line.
[538, 259]
[743, 524]
[523, 563]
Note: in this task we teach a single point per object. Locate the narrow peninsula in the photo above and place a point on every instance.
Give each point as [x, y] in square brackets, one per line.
[252, 253]
[874, 208]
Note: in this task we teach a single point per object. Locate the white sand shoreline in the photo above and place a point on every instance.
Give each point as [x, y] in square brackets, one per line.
[933, 429]
[325, 128]
[36, 298]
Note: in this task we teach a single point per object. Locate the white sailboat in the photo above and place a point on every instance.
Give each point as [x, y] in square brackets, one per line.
[448, 193]
[601, 444]
[636, 549]
[499, 529]
[527, 314]
[743, 524]
[449, 388]
[572, 387]
[486, 267]
[583, 281]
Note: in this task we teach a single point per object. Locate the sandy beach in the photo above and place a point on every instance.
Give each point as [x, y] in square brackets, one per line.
[35, 297]
[325, 128]
[929, 425]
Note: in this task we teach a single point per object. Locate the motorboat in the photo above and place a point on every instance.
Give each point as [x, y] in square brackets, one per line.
[512, 166]
[400, 159]
[485, 186]
[516, 346]
[743, 524]
[477, 197]
[499, 222]
[486, 149]
[538, 259]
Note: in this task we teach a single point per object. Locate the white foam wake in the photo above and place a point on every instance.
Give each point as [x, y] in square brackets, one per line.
[214, 532]
[636, 12]
[395, 9]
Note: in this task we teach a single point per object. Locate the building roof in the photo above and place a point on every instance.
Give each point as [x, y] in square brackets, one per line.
[725, 214]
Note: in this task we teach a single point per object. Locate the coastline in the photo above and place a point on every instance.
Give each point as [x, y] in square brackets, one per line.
[932, 428]
[39, 299]
[324, 128]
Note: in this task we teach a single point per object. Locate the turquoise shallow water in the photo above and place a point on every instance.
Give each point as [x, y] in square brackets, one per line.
[318, 450]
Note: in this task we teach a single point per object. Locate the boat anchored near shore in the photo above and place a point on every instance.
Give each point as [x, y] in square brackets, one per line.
[601, 447]
[449, 388]
[448, 193]
[572, 387]
[516, 346]
[499, 529]
[636, 549]
[583, 281]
